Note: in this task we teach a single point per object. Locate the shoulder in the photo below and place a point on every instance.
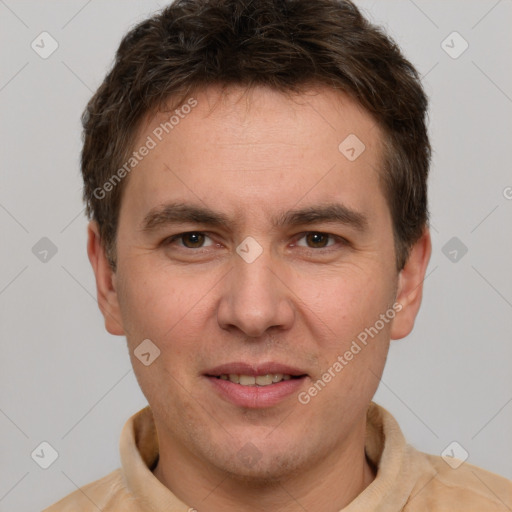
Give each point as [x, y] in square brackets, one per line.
[467, 488]
[107, 494]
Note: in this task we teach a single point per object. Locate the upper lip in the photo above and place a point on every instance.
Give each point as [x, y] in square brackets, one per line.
[243, 368]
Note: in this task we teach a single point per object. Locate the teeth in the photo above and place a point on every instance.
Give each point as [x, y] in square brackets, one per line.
[247, 380]
[264, 380]
[251, 380]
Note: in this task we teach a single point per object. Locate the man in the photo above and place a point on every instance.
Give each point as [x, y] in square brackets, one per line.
[256, 176]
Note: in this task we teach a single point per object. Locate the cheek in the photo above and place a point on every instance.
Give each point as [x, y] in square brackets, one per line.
[344, 302]
[157, 303]
[174, 312]
[352, 345]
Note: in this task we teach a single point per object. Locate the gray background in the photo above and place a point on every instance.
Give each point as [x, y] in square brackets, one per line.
[66, 381]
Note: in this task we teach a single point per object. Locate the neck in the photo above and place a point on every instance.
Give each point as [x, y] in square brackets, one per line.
[327, 486]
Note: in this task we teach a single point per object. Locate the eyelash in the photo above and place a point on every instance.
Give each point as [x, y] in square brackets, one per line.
[340, 241]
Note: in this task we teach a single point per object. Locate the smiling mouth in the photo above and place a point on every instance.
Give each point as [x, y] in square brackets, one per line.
[257, 380]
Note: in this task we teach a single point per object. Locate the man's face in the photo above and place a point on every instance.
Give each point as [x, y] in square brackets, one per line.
[288, 300]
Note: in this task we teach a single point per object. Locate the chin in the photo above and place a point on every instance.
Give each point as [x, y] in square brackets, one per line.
[253, 467]
[263, 474]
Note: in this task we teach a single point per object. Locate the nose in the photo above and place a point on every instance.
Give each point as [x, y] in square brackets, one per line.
[255, 297]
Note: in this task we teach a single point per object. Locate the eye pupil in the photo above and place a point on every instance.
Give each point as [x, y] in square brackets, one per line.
[194, 239]
[317, 239]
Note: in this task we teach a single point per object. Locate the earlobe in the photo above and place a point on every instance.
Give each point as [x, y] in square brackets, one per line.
[410, 286]
[105, 281]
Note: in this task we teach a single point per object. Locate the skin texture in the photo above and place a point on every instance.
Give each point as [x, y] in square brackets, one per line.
[252, 155]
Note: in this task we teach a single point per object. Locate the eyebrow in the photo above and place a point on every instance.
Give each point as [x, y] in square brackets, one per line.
[174, 213]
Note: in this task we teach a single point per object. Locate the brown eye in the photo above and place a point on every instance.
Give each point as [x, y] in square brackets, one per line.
[317, 240]
[193, 240]
[189, 240]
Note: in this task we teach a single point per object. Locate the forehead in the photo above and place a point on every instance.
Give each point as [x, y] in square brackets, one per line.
[260, 115]
[244, 149]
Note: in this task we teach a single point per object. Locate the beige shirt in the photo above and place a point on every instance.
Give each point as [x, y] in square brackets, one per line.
[406, 480]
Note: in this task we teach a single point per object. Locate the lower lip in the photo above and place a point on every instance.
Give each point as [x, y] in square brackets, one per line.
[256, 397]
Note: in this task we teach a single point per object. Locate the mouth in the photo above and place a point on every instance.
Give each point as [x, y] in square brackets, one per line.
[257, 380]
[255, 386]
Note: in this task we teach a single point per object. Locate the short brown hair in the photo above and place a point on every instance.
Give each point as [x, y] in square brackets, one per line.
[282, 44]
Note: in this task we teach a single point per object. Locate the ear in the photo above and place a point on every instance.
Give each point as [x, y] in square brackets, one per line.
[105, 281]
[410, 286]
